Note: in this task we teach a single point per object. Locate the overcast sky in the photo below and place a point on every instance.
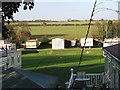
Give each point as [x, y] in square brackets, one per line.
[66, 9]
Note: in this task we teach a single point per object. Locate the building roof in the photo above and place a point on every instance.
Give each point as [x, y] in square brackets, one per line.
[114, 50]
[15, 78]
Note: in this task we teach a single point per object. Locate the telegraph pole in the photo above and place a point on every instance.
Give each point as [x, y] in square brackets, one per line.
[0, 20]
[0, 39]
[118, 10]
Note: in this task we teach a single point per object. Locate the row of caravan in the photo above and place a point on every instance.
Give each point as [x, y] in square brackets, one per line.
[60, 43]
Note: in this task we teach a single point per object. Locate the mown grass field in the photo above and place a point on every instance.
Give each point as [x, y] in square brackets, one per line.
[62, 31]
[66, 32]
[58, 62]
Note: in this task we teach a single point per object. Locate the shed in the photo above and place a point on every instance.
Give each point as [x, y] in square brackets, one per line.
[15, 78]
[89, 42]
[58, 43]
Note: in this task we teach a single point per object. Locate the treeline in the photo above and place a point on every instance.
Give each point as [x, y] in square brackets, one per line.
[109, 30]
[57, 24]
[51, 20]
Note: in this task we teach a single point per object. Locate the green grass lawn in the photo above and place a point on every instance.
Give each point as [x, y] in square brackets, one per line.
[66, 32]
[58, 62]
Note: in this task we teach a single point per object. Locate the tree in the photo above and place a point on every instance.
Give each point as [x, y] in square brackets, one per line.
[100, 31]
[117, 26]
[23, 33]
[111, 30]
[8, 8]
[44, 23]
[12, 33]
[5, 32]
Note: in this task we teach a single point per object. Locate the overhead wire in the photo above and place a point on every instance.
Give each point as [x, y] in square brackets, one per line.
[86, 36]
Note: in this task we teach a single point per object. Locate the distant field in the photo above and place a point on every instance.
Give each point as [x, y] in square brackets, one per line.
[57, 22]
[62, 22]
[38, 30]
[58, 62]
[67, 32]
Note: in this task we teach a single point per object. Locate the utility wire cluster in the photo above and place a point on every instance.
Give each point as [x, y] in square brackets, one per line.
[94, 11]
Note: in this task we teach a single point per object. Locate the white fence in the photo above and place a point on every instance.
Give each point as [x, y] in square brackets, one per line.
[95, 79]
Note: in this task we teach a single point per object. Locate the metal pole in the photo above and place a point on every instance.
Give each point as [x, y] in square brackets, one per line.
[0, 39]
[118, 10]
[0, 20]
[86, 36]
